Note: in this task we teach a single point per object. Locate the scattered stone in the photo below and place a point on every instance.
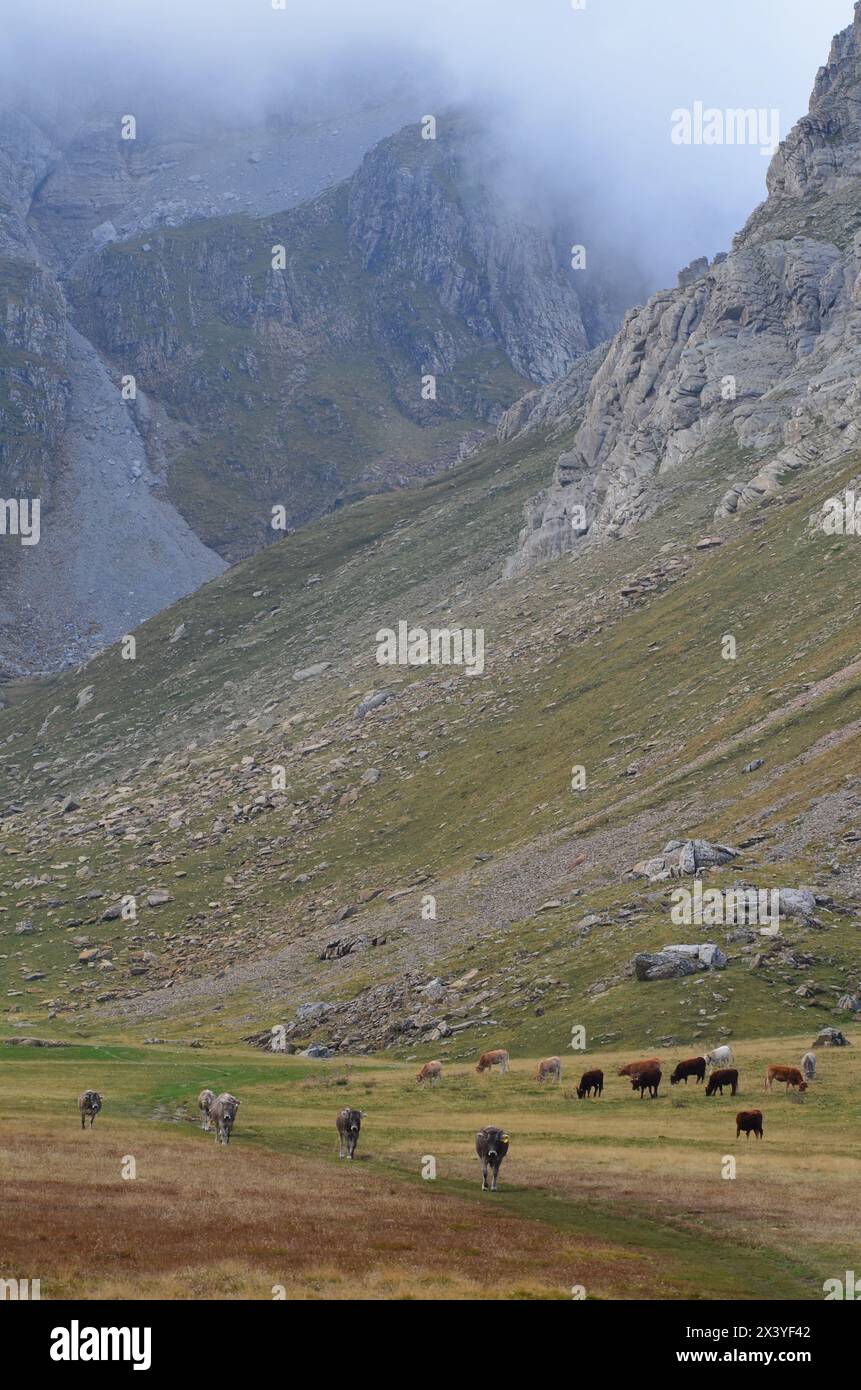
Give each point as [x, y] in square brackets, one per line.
[308, 672]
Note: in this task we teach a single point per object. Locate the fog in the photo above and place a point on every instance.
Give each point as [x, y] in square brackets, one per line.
[578, 99]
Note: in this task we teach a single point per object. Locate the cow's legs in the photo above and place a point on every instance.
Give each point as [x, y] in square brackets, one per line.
[484, 1175]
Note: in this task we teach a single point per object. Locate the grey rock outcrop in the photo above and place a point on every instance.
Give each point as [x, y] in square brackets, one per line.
[674, 962]
[757, 354]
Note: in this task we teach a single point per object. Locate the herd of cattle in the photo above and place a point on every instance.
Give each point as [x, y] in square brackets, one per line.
[492, 1143]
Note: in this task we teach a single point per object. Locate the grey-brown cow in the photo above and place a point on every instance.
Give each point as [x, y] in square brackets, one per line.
[204, 1105]
[550, 1067]
[348, 1124]
[89, 1104]
[491, 1145]
[222, 1113]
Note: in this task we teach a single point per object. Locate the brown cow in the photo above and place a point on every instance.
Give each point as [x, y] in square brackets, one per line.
[724, 1076]
[748, 1122]
[634, 1068]
[550, 1066]
[647, 1080]
[431, 1071]
[591, 1081]
[497, 1058]
[790, 1075]
[694, 1066]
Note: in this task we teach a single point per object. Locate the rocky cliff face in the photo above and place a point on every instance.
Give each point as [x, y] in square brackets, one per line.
[306, 384]
[256, 386]
[758, 353]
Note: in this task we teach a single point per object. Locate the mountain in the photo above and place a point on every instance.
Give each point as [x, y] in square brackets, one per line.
[282, 812]
[255, 387]
[754, 358]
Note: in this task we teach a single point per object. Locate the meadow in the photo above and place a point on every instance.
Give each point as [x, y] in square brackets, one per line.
[615, 1198]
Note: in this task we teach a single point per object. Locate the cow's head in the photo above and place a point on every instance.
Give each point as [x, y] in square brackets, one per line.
[802, 1086]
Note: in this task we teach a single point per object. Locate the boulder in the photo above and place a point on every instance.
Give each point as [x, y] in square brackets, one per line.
[797, 902]
[682, 857]
[308, 672]
[831, 1037]
[663, 965]
[374, 701]
[672, 962]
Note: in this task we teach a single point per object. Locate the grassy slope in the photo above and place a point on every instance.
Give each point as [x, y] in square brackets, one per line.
[568, 678]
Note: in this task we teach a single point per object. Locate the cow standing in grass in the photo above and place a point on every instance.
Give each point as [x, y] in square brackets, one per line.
[591, 1082]
[550, 1066]
[491, 1145]
[348, 1124]
[693, 1066]
[497, 1058]
[790, 1076]
[647, 1080]
[222, 1114]
[748, 1122]
[808, 1066]
[633, 1069]
[431, 1071]
[89, 1104]
[726, 1076]
[204, 1105]
[719, 1057]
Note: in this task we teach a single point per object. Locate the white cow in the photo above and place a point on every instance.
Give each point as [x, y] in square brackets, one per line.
[222, 1114]
[808, 1065]
[204, 1105]
[720, 1057]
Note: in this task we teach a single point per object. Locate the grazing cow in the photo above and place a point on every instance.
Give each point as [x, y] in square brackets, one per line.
[724, 1076]
[204, 1105]
[719, 1057]
[222, 1113]
[491, 1145]
[591, 1081]
[694, 1066]
[648, 1080]
[748, 1122]
[348, 1123]
[431, 1071]
[808, 1065]
[497, 1058]
[790, 1075]
[89, 1104]
[550, 1066]
[634, 1068]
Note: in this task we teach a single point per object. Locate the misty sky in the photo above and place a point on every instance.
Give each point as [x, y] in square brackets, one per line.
[582, 97]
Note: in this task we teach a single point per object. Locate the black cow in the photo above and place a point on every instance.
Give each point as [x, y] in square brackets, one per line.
[693, 1066]
[591, 1081]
